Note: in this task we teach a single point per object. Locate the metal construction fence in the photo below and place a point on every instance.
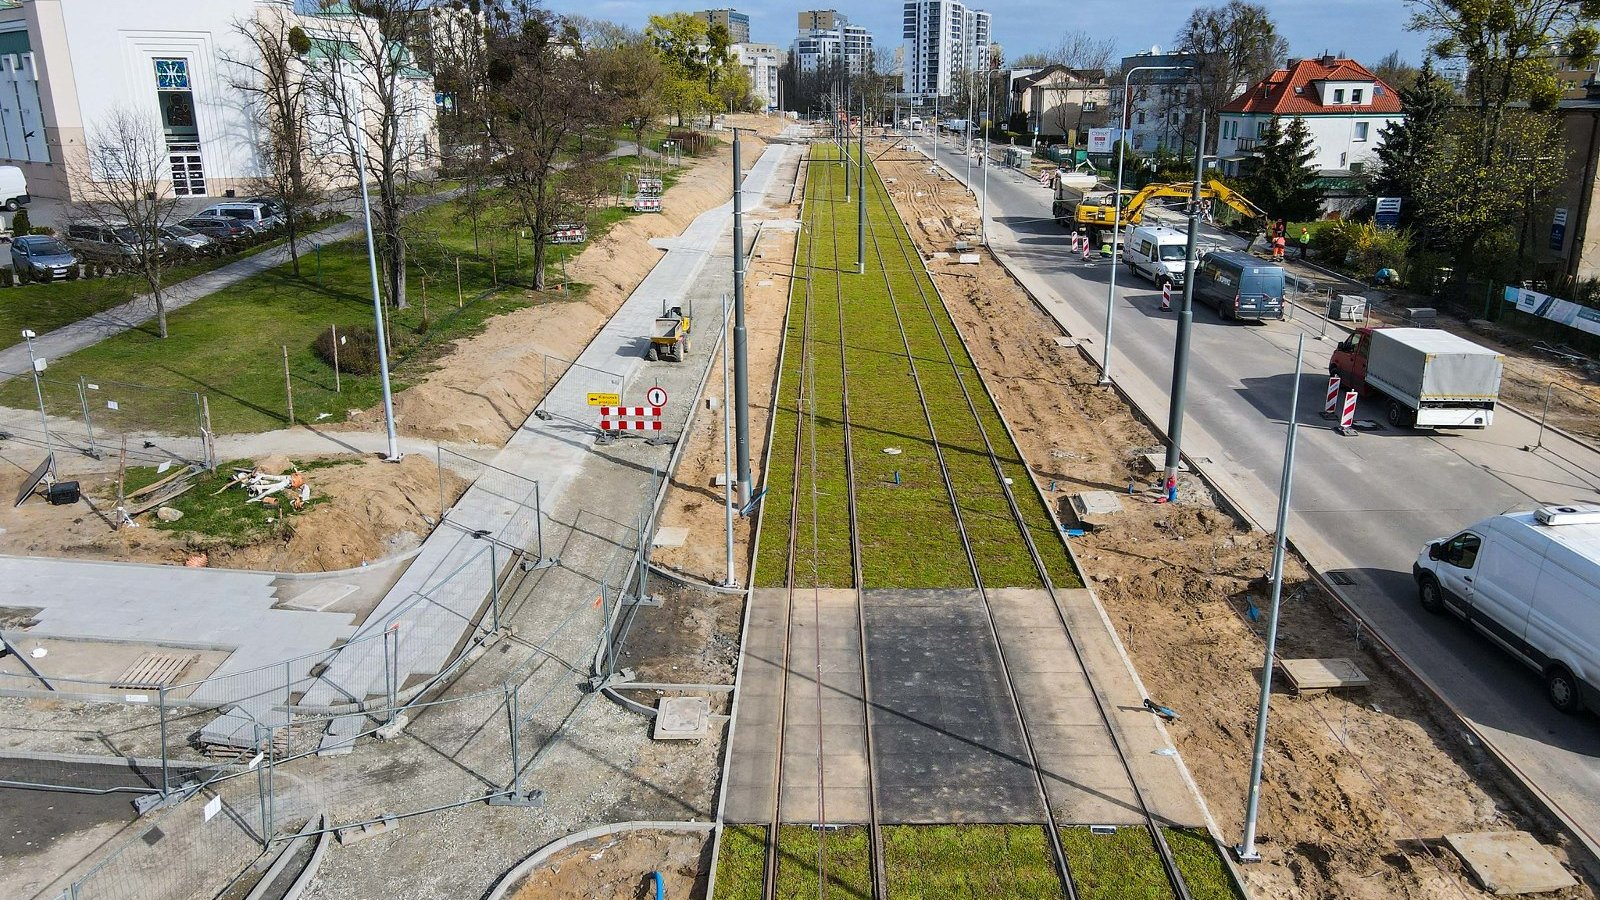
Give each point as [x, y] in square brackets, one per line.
[96, 418]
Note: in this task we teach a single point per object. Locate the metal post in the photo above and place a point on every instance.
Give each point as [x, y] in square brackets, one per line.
[494, 586]
[516, 760]
[727, 447]
[459, 301]
[391, 650]
[741, 360]
[38, 390]
[1180, 353]
[861, 194]
[377, 300]
[88, 423]
[1116, 221]
[983, 202]
[261, 785]
[206, 435]
[1246, 851]
[337, 387]
[288, 383]
[161, 701]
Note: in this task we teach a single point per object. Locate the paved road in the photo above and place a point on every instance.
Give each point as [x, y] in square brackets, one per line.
[1362, 505]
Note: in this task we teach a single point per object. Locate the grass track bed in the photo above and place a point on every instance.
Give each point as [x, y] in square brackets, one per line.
[1203, 870]
[954, 862]
[1123, 865]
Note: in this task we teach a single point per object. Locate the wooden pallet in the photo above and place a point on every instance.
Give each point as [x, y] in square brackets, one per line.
[153, 670]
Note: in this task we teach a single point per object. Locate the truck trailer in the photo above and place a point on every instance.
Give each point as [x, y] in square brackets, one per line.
[1431, 378]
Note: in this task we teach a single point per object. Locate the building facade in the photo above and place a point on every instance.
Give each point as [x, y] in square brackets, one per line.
[73, 65]
[837, 42]
[1056, 100]
[1344, 105]
[945, 40]
[761, 62]
[737, 23]
[1160, 101]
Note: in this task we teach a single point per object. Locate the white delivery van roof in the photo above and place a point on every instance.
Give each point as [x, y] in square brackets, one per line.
[1579, 537]
[1161, 233]
[1433, 340]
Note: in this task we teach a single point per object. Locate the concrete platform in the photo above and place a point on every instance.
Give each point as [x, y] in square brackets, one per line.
[947, 740]
[1316, 675]
[1508, 863]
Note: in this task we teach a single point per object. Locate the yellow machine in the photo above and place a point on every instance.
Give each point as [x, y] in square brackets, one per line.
[1094, 211]
[670, 339]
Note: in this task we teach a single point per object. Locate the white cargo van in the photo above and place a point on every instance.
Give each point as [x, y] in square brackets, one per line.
[13, 188]
[1530, 582]
[1157, 253]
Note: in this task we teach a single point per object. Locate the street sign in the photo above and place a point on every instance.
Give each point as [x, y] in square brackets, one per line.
[1388, 212]
[597, 398]
[1558, 230]
[656, 396]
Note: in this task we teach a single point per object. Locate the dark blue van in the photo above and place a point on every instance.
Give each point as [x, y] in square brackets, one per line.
[1240, 286]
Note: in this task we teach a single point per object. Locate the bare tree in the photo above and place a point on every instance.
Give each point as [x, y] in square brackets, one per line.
[272, 76]
[544, 80]
[379, 109]
[127, 190]
[1082, 51]
[1233, 45]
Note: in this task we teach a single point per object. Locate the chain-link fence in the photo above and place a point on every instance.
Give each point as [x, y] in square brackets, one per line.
[97, 418]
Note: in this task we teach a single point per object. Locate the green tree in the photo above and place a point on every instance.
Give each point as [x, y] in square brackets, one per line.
[690, 69]
[1284, 182]
[1407, 146]
[1234, 46]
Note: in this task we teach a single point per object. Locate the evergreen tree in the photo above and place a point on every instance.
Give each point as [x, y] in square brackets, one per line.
[1405, 147]
[1284, 182]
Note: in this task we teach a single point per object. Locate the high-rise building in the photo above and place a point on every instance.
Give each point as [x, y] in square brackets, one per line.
[761, 62]
[827, 36]
[737, 23]
[945, 39]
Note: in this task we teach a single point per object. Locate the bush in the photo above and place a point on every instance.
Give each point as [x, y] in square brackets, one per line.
[1361, 247]
[358, 349]
[7, 278]
[691, 142]
[42, 229]
[20, 224]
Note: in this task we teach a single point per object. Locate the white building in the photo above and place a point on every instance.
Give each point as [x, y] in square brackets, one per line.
[1345, 106]
[835, 41]
[69, 65]
[945, 40]
[761, 62]
[1160, 103]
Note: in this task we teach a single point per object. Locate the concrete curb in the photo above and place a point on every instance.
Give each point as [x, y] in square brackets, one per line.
[514, 876]
[286, 853]
[308, 875]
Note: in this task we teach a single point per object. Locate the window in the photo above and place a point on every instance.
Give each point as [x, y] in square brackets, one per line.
[172, 74]
[1140, 119]
[1461, 551]
[1261, 129]
[1338, 95]
[1361, 131]
[1355, 95]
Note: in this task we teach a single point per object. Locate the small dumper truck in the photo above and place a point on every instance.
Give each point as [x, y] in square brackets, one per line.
[670, 339]
[1430, 378]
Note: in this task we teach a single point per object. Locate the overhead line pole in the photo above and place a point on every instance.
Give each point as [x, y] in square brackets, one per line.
[1180, 352]
[861, 193]
[741, 350]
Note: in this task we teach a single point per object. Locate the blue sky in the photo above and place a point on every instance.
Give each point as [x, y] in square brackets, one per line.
[1364, 29]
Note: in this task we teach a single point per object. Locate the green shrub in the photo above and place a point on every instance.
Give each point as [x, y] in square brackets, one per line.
[358, 349]
[41, 229]
[1361, 247]
[20, 224]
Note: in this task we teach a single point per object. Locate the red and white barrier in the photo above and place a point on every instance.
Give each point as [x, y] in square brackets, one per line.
[1347, 419]
[647, 204]
[630, 418]
[1166, 295]
[1331, 408]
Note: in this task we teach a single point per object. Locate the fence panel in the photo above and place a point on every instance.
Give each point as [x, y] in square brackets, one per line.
[94, 417]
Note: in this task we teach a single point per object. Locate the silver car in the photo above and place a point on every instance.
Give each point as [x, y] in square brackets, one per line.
[179, 239]
[40, 257]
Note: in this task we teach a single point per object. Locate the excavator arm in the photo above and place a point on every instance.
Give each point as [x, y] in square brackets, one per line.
[1211, 190]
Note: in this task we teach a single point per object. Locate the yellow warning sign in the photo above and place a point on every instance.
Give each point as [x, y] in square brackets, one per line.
[599, 399]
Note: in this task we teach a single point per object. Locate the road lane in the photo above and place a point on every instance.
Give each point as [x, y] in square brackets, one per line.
[1364, 505]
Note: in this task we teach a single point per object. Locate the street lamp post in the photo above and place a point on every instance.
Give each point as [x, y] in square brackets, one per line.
[38, 390]
[1180, 352]
[983, 202]
[1116, 216]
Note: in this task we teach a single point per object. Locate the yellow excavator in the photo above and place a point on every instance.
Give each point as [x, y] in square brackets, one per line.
[1093, 211]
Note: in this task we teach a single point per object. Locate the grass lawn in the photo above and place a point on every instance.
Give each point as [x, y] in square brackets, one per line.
[891, 320]
[46, 307]
[216, 514]
[741, 859]
[230, 346]
[1204, 872]
[1119, 866]
[962, 861]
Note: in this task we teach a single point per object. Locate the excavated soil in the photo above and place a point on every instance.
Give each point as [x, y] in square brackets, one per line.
[1360, 786]
[619, 867]
[365, 510]
[487, 385]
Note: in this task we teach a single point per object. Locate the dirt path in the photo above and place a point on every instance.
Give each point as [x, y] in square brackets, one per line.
[1360, 786]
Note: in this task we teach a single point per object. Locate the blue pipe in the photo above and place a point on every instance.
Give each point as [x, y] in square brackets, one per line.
[661, 886]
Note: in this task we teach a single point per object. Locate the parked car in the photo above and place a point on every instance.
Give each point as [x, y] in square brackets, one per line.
[220, 229]
[110, 242]
[13, 188]
[1530, 581]
[182, 239]
[40, 257]
[254, 215]
[273, 207]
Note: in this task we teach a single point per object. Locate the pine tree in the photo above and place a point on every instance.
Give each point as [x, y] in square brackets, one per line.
[1406, 146]
[1284, 182]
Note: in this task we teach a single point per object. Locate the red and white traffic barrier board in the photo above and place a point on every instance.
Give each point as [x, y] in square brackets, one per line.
[1330, 408]
[1347, 420]
[647, 204]
[630, 418]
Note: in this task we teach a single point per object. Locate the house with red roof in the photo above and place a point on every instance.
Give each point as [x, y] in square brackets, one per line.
[1345, 106]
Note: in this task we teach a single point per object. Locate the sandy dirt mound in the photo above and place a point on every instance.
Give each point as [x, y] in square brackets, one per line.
[619, 867]
[365, 510]
[487, 385]
[1359, 786]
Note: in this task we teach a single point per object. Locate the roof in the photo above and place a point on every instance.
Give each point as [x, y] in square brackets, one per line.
[1276, 94]
[1435, 340]
[1581, 539]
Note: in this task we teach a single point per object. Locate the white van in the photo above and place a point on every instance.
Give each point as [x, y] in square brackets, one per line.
[13, 188]
[1156, 252]
[255, 216]
[1530, 582]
